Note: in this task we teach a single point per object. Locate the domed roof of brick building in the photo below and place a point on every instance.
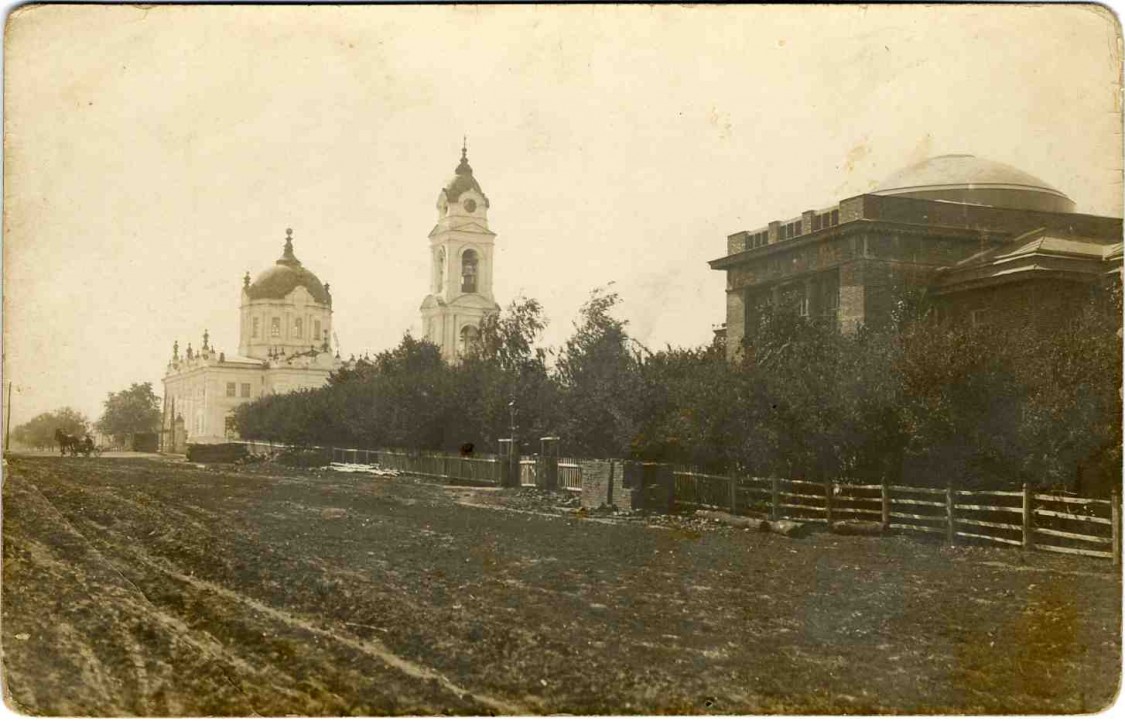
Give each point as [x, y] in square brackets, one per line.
[287, 273]
[463, 181]
[976, 181]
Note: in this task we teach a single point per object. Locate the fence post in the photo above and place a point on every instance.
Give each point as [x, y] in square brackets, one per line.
[775, 498]
[504, 479]
[734, 494]
[547, 471]
[949, 513]
[509, 463]
[1115, 518]
[1027, 518]
[828, 503]
[886, 498]
[517, 466]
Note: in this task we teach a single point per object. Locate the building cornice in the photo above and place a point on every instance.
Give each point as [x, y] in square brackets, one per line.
[854, 227]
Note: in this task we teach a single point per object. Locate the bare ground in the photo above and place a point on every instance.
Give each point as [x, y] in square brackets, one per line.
[141, 587]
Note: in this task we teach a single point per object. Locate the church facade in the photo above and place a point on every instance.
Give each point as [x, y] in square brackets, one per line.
[284, 331]
[986, 241]
[461, 255]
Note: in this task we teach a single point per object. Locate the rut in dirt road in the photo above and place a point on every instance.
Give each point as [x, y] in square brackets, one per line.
[148, 597]
[146, 587]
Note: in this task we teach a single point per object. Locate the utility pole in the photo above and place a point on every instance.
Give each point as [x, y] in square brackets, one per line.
[8, 422]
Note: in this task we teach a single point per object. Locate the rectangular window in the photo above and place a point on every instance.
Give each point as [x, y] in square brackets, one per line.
[245, 390]
[275, 327]
[835, 217]
[826, 295]
[803, 307]
[297, 327]
[979, 317]
[230, 390]
[316, 331]
[254, 328]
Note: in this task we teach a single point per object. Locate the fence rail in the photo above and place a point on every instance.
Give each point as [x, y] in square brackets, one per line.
[1032, 521]
[570, 474]
[528, 472]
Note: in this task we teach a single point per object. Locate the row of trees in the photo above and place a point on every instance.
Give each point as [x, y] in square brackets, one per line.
[919, 399]
[39, 432]
[127, 412]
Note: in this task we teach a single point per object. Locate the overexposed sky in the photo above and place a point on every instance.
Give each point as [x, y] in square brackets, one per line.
[154, 155]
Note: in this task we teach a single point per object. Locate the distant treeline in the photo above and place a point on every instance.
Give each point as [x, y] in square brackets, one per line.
[919, 400]
[128, 412]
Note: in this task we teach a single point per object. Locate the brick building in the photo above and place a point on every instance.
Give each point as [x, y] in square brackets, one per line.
[981, 237]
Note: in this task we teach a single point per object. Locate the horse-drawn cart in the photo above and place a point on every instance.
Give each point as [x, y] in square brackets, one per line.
[74, 446]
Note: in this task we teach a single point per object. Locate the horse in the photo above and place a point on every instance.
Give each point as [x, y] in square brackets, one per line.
[66, 442]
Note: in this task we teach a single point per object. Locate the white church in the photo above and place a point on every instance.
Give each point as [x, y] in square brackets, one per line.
[286, 323]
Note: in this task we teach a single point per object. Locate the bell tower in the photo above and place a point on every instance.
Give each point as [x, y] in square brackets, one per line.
[461, 251]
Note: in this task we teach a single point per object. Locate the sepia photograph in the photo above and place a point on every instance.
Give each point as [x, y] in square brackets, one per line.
[525, 360]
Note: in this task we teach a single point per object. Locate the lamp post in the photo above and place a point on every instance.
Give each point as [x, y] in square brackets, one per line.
[513, 460]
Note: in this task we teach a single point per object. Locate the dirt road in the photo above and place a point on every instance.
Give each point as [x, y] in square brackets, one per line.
[135, 586]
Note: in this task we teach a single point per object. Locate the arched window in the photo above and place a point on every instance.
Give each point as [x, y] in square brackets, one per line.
[469, 337]
[297, 322]
[439, 270]
[469, 262]
[275, 327]
[316, 330]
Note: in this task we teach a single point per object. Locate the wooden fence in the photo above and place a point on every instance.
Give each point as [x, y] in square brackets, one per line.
[528, 472]
[570, 475]
[481, 468]
[1056, 522]
[1053, 522]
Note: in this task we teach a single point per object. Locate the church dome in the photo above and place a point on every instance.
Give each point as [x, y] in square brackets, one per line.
[463, 181]
[976, 181]
[279, 281]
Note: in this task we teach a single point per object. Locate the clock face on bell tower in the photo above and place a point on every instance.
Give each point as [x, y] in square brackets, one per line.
[469, 205]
